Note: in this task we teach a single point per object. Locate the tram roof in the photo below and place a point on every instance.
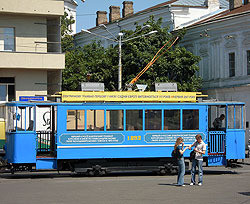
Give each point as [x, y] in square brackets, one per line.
[48, 103]
[128, 97]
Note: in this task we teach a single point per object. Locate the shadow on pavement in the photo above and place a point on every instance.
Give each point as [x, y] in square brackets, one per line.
[244, 193]
[55, 174]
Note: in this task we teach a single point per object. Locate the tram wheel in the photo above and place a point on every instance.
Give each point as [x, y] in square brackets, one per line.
[102, 172]
[90, 173]
[163, 172]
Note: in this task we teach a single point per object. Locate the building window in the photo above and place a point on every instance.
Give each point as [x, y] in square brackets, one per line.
[248, 62]
[7, 39]
[7, 89]
[231, 64]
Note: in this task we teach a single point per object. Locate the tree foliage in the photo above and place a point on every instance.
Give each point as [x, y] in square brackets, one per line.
[67, 39]
[176, 65]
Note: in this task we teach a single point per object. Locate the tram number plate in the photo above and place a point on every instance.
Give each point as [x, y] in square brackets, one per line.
[134, 137]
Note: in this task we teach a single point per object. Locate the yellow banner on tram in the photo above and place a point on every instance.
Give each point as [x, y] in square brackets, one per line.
[117, 96]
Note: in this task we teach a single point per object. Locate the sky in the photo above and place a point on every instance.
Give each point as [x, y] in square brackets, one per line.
[86, 12]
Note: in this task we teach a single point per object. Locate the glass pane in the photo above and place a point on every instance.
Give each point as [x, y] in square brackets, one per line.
[95, 120]
[230, 117]
[152, 119]
[114, 119]
[216, 117]
[190, 119]
[7, 80]
[11, 118]
[24, 119]
[30, 119]
[231, 64]
[3, 92]
[80, 120]
[248, 62]
[71, 119]
[11, 93]
[1, 39]
[9, 39]
[171, 119]
[19, 117]
[133, 119]
[238, 117]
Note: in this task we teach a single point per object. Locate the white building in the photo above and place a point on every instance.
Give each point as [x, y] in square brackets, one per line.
[223, 42]
[175, 13]
[70, 8]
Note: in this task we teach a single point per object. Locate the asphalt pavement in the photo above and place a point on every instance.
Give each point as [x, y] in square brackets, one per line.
[221, 185]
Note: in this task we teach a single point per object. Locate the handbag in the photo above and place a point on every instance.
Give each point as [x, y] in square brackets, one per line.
[192, 155]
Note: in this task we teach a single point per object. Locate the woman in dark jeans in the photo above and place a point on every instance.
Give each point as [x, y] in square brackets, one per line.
[178, 147]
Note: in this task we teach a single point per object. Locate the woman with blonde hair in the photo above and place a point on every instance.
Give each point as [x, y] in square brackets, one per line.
[178, 148]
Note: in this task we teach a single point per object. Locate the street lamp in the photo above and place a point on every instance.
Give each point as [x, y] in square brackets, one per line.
[120, 41]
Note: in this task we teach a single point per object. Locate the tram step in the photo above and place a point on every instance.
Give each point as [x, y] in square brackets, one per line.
[46, 163]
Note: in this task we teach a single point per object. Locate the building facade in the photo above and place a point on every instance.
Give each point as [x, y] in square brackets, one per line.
[223, 42]
[174, 13]
[31, 61]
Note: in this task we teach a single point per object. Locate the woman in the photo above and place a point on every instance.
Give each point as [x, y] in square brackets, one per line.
[178, 147]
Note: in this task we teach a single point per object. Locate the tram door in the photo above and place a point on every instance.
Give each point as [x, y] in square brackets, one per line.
[226, 135]
[46, 130]
[216, 134]
[235, 140]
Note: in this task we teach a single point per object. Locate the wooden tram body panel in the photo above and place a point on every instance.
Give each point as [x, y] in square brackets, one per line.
[87, 134]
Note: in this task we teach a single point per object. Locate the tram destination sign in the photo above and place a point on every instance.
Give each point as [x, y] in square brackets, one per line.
[129, 96]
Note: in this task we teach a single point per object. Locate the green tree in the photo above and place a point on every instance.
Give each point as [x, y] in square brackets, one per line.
[176, 65]
[67, 41]
[91, 60]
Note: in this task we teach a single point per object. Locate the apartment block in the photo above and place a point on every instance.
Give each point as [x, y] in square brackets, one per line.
[31, 61]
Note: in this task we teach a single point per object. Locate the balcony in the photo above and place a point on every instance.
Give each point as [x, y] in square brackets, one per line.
[29, 60]
[33, 7]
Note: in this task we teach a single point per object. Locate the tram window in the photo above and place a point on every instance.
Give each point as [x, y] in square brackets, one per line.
[171, 119]
[190, 119]
[230, 117]
[238, 117]
[71, 120]
[20, 119]
[133, 120]
[216, 117]
[114, 120]
[152, 119]
[95, 120]
[80, 120]
[75, 120]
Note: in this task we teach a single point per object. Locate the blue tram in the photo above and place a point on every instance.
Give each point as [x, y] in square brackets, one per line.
[95, 137]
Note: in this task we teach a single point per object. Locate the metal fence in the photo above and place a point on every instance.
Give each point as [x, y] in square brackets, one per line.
[216, 143]
[45, 142]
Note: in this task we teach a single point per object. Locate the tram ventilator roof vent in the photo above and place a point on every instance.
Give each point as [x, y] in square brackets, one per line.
[141, 87]
[166, 87]
[92, 86]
